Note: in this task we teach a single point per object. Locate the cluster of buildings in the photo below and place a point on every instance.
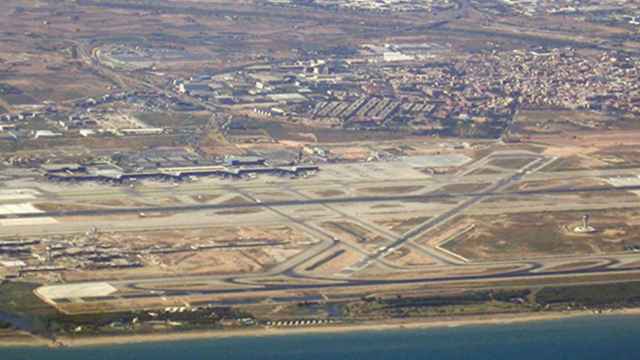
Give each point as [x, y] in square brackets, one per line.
[410, 87]
[108, 115]
[558, 78]
[21, 257]
[569, 7]
[19, 124]
[372, 5]
[170, 165]
[93, 251]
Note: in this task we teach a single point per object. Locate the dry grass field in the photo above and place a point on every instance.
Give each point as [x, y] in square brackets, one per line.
[529, 235]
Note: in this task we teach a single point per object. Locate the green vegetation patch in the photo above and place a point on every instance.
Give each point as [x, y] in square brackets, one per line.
[471, 302]
[18, 298]
[472, 297]
[167, 119]
[28, 312]
[6, 89]
[592, 295]
[14, 96]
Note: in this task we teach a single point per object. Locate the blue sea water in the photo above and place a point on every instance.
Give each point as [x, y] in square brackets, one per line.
[601, 338]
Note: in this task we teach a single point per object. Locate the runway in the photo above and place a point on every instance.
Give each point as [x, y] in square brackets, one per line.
[356, 284]
[319, 201]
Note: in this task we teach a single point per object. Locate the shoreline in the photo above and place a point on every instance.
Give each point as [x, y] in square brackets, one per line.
[373, 326]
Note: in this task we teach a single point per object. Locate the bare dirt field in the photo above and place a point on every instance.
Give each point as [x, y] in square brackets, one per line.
[354, 233]
[407, 257]
[556, 184]
[510, 163]
[219, 250]
[402, 225]
[334, 262]
[463, 187]
[391, 190]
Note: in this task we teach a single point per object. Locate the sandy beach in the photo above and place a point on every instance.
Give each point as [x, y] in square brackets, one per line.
[21, 339]
[409, 324]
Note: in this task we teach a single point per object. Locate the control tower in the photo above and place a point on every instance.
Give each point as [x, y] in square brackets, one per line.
[584, 228]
